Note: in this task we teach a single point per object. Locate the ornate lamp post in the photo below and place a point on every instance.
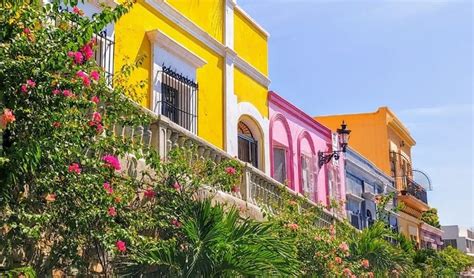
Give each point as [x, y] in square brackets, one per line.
[343, 136]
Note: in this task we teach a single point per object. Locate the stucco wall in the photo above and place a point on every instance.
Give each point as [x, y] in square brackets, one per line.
[290, 128]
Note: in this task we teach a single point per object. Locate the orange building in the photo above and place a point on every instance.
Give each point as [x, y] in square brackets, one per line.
[383, 139]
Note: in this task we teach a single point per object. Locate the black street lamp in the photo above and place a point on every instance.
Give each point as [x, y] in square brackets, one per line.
[343, 136]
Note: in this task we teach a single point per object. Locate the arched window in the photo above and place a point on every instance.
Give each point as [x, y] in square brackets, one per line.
[248, 145]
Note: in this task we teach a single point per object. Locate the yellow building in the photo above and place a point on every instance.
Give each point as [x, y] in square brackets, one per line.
[383, 139]
[205, 63]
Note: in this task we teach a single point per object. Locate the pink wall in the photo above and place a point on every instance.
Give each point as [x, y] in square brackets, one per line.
[299, 134]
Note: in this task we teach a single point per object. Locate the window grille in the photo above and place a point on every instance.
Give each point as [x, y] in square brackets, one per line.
[178, 99]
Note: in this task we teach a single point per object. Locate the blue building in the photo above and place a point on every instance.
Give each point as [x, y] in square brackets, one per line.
[364, 181]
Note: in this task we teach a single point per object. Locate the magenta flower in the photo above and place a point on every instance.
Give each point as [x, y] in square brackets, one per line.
[56, 92]
[26, 31]
[177, 186]
[344, 247]
[78, 57]
[99, 128]
[70, 54]
[230, 170]
[24, 88]
[338, 260]
[31, 83]
[235, 189]
[149, 193]
[175, 222]
[86, 81]
[112, 161]
[95, 75]
[74, 168]
[95, 99]
[112, 212]
[77, 11]
[67, 93]
[121, 246]
[81, 74]
[96, 117]
[108, 188]
[87, 51]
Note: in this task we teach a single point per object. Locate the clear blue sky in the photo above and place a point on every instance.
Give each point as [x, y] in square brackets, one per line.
[331, 57]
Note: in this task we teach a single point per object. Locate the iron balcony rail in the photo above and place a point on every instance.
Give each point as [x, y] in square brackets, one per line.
[104, 49]
[414, 189]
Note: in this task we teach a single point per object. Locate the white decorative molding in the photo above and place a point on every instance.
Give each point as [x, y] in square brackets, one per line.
[164, 41]
[252, 71]
[249, 18]
[187, 25]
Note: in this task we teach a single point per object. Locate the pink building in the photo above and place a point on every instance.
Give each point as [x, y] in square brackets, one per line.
[295, 140]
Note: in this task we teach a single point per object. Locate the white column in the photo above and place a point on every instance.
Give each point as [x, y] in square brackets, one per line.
[230, 99]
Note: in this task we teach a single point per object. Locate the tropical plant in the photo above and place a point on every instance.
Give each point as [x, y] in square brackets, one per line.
[431, 217]
[217, 242]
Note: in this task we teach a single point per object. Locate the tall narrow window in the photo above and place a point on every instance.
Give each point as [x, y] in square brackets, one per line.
[248, 145]
[279, 164]
[104, 54]
[306, 176]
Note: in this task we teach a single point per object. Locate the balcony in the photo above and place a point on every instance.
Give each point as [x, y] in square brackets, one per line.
[412, 194]
[256, 188]
[369, 192]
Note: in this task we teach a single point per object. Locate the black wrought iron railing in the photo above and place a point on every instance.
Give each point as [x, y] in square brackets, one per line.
[178, 99]
[415, 190]
[104, 49]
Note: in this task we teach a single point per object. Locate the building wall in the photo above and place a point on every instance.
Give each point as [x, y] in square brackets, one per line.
[250, 41]
[369, 135]
[300, 134]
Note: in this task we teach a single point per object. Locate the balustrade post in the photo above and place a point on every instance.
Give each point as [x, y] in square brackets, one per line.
[245, 185]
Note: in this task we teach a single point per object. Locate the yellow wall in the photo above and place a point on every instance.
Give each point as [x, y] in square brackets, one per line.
[207, 14]
[248, 90]
[369, 135]
[132, 42]
[250, 43]
[405, 221]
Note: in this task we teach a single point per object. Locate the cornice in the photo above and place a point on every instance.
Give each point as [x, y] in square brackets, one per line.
[187, 25]
[297, 113]
[254, 23]
[163, 40]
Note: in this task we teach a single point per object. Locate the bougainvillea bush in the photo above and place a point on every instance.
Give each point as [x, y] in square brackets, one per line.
[66, 203]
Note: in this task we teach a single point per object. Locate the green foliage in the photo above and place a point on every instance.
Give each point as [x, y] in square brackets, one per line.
[448, 262]
[431, 217]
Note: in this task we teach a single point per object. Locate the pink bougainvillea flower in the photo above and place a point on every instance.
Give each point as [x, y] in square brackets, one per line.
[175, 222]
[365, 263]
[112, 161]
[70, 54]
[26, 31]
[56, 92]
[87, 51]
[77, 11]
[95, 99]
[346, 271]
[370, 275]
[108, 188]
[67, 93]
[121, 246]
[81, 74]
[78, 57]
[332, 230]
[344, 247]
[74, 168]
[24, 88]
[149, 193]
[6, 118]
[112, 212]
[95, 75]
[56, 124]
[292, 226]
[50, 197]
[235, 189]
[96, 117]
[177, 186]
[31, 83]
[99, 128]
[230, 170]
[338, 260]
[86, 81]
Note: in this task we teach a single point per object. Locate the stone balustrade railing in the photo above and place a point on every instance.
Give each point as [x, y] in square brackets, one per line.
[256, 188]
